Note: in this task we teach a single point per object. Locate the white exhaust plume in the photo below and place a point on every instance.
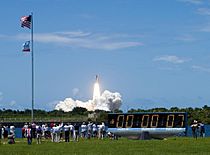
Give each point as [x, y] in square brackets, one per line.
[108, 101]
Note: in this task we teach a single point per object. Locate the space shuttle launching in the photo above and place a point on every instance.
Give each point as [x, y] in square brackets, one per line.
[97, 78]
[96, 89]
[107, 100]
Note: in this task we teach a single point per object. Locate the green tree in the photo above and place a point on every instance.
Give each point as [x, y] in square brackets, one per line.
[79, 110]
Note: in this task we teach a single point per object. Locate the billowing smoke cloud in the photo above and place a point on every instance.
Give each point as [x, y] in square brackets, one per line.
[108, 101]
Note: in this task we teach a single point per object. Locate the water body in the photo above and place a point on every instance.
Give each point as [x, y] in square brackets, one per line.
[18, 132]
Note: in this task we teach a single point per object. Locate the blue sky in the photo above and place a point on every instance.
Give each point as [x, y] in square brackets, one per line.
[154, 53]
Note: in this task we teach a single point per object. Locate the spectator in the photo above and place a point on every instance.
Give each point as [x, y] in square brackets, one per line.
[53, 133]
[24, 130]
[57, 131]
[202, 129]
[76, 132]
[5, 132]
[29, 135]
[95, 130]
[72, 131]
[89, 130]
[83, 130]
[38, 134]
[11, 138]
[11, 135]
[46, 131]
[33, 130]
[66, 132]
[194, 128]
[101, 131]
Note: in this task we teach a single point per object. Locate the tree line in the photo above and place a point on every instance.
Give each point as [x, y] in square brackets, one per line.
[200, 114]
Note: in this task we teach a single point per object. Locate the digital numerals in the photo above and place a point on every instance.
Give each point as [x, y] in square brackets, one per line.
[145, 121]
[154, 121]
[165, 120]
[129, 121]
[120, 121]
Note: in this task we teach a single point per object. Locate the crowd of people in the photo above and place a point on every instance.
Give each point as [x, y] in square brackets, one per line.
[63, 131]
[7, 132]
[71, 131]
[56, 132]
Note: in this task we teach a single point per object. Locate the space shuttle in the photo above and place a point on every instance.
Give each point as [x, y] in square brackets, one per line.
[97, 78]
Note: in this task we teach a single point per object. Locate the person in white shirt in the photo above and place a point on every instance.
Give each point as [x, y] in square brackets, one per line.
[72, 132]
[66, 132]
[83, 130]
[38, 134]
[101, 131]
[95, 130]
[43, 129]
[25, 125]
[11, 136]
[12, 129]
[57, 131]
[24, 130]
[53, 133]
[89, 130]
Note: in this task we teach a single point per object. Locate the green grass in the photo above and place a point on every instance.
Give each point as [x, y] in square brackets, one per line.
[182, 146]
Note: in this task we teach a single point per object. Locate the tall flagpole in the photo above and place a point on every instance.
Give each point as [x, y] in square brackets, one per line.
[32, 69]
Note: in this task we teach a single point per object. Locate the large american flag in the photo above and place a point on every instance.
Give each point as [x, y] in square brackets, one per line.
[26, 21]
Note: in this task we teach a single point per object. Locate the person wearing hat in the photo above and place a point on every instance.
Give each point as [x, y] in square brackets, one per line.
[194, 127]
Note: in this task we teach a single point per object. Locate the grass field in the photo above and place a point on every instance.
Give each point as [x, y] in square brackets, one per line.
[182, 146]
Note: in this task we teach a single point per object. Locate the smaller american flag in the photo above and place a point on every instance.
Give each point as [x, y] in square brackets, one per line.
[26, 46]
[26, 21]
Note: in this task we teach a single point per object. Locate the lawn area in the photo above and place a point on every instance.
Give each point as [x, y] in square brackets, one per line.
[181, 145]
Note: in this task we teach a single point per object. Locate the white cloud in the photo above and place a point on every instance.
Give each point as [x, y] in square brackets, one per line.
[170, 68]
[74, 33]
[84, 40]
[193, 1]
[171, 59]
[108, 101]
[201, 68]
[185, 38]
[204, 11]
[206, 28]
[87, 16]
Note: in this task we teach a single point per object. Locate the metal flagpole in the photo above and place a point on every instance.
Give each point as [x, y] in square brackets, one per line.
[32, 69]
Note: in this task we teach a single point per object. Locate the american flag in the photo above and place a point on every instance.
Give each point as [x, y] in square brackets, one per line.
[26, 46]
[26, 21]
